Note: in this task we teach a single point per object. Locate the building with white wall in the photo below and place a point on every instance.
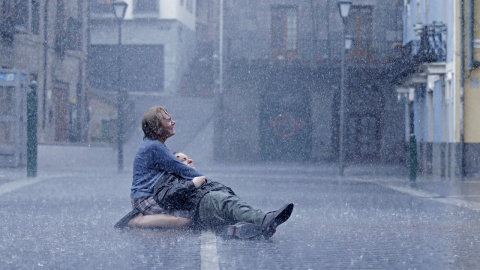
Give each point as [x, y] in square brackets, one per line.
[158, 43]
[438, 82]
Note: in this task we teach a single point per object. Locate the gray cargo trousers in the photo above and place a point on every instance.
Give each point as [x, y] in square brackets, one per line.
[220, 208]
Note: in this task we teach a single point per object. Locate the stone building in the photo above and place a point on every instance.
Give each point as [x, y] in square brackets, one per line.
[48, 41]
[280, 92]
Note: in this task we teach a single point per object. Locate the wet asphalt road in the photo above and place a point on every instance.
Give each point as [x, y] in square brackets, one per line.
[64, 220]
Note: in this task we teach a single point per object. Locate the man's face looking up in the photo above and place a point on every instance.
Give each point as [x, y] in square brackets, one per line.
[184, 159]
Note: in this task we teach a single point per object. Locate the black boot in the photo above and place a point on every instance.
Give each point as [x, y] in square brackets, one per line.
[123, 223]
[275, 218]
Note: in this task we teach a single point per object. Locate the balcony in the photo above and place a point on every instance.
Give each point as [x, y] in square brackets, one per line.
[432, 46]
[429, 53]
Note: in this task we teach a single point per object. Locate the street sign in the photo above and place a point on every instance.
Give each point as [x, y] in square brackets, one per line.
[7, 77]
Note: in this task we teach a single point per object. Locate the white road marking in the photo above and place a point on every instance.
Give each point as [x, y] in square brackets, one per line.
[208, 251]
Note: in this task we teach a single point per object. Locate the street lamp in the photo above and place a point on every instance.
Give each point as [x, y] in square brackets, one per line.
[343, 8]
[119, 8]
[348, 42]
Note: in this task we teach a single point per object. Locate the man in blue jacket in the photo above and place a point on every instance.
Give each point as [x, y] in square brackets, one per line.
[164, 185]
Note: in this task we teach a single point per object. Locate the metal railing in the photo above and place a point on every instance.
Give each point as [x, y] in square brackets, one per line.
[432, 46]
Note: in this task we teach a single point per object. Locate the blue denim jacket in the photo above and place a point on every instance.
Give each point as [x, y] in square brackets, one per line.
[153, 159]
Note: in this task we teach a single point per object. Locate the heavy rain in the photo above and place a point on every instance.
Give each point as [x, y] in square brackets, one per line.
[324, 134]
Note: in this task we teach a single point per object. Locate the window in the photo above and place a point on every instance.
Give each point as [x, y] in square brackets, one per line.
[35, 17]
[189, 5]
[7, 100]
[21, 13]
[180, 34]
[360, 25]
[101, 6]
[74, 34]
[7, 20]
[142, 67]
[61, 39]
[284, 32]
[143, 6]
[68, 30]
[19, 16]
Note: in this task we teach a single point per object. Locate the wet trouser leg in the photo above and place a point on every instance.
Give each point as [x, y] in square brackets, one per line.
[219, 208]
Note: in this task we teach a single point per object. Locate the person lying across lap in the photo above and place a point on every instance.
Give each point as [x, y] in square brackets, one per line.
[178, 188]
[163, 220]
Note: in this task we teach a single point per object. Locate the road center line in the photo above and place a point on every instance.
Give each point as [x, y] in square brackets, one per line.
[208, 251]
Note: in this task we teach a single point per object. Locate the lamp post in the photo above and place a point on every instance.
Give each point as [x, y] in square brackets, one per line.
[344, 8]
[119, 9]
[32, 120]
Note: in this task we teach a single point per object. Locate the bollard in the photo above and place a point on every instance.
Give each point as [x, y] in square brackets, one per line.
[32, 130]
[413, 157]
[122, 97]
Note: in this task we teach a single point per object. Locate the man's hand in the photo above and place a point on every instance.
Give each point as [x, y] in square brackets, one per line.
[198, 181]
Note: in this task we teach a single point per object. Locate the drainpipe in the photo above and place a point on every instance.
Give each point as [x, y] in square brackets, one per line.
[314, 28]
[462, 87]
[45, 63]
[470, 61]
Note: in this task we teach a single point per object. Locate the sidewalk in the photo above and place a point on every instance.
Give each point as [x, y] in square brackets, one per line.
[60, 159]
[461, 192]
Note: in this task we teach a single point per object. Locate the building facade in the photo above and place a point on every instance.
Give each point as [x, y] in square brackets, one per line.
[438, 84]
[149, 54]
[280, 97]
[47, 40]
[158, 43]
